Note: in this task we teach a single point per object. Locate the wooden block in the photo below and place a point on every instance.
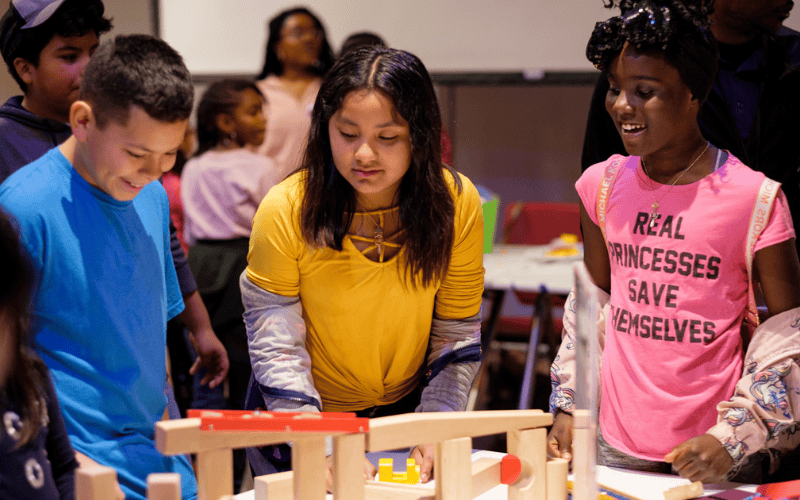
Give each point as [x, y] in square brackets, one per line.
[348, 467]
[399, 431]
[385, 470]
[485, 475]
[310, 467]
[685, 491]
[243, 420]
[580, 468]
[557, 472]
[510, 469]
[176, 437]
[531, 448]
[273, 486]
[453, 470]
[395, 491]
[214, 471]
[279, 487]
[95, 482]
[164, 486]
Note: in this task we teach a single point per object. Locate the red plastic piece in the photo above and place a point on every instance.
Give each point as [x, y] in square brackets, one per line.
[242, 420]
[510, 469]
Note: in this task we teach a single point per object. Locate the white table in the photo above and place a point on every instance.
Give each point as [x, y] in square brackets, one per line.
[525, 267]
[644, 485]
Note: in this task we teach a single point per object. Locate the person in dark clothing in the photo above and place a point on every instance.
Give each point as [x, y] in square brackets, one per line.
[38, 460]
[23, 135]
[754, 104]
[46, 45]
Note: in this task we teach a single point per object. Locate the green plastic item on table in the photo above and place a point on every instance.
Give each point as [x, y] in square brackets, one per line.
[489, 223]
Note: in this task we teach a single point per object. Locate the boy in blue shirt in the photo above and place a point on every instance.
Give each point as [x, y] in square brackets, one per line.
[95, 225]
[46, 45]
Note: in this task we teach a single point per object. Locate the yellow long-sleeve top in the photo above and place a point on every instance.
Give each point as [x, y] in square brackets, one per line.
[367, 331]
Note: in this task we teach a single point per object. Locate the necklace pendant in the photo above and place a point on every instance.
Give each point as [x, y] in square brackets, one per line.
[653, 213]
[379, 238]
[653, 217]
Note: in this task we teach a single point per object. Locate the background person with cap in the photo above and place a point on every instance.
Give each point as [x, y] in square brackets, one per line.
[46, 56]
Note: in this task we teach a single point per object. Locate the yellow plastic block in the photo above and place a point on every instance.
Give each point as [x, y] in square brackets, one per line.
[387, 475]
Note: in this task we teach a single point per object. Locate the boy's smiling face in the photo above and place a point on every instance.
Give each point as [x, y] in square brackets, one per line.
[120, 159]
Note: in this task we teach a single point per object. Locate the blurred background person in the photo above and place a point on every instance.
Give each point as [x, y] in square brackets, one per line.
[297, 55]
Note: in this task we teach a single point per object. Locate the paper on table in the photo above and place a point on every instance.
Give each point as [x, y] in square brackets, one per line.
[647, 485]
[546, 253]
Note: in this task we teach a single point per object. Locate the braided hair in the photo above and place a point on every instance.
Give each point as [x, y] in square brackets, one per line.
[679, 29]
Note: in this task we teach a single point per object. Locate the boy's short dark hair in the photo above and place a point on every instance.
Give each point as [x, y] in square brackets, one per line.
[137, 70]
[72, 18]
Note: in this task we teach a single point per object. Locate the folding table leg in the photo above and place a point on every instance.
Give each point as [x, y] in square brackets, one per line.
[539, 320]
[487, 335]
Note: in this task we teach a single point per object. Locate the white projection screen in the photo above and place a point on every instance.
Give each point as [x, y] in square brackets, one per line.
[451, 36]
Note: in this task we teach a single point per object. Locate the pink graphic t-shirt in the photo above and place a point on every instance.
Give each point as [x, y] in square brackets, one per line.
[673, 346]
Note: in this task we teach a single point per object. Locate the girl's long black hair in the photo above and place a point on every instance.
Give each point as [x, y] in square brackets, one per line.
[427, 209]
[27, 373]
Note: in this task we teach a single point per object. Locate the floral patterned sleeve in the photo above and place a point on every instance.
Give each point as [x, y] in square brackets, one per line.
[562, 371]
[763, 413]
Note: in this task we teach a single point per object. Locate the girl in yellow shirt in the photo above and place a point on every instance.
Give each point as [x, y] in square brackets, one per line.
[365, 270]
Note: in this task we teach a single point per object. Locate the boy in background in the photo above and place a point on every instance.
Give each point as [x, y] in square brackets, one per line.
[46, 45]
[95, 226]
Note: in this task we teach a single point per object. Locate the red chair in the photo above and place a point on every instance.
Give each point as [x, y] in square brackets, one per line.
[532, 223]
[536, 223]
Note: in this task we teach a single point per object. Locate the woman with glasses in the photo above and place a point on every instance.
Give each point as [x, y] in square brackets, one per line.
[297, 56]
[666, 231]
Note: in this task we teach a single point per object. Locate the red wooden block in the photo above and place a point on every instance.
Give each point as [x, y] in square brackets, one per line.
[241, 420]
[510, 469]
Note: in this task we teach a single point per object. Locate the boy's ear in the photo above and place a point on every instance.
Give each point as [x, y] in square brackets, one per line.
[24, 69]
[81, 117]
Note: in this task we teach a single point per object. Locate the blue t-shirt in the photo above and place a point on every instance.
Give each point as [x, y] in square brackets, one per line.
[105, 287]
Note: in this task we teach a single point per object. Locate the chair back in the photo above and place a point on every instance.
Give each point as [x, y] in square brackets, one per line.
[538, 223]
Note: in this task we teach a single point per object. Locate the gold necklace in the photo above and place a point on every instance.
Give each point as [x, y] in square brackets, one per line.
[654, 206]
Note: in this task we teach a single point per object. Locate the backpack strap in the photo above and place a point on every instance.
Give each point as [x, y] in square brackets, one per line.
[604, 192]
[758, 220]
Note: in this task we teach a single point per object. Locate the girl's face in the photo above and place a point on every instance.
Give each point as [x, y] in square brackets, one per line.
[371, 146]
[651, 106]
[249, 122]
[300, 42]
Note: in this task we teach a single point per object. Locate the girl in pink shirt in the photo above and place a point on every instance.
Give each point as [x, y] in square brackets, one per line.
[673, 255]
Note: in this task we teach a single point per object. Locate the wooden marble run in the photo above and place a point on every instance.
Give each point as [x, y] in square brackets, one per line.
[457, 477]
[213, 435]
